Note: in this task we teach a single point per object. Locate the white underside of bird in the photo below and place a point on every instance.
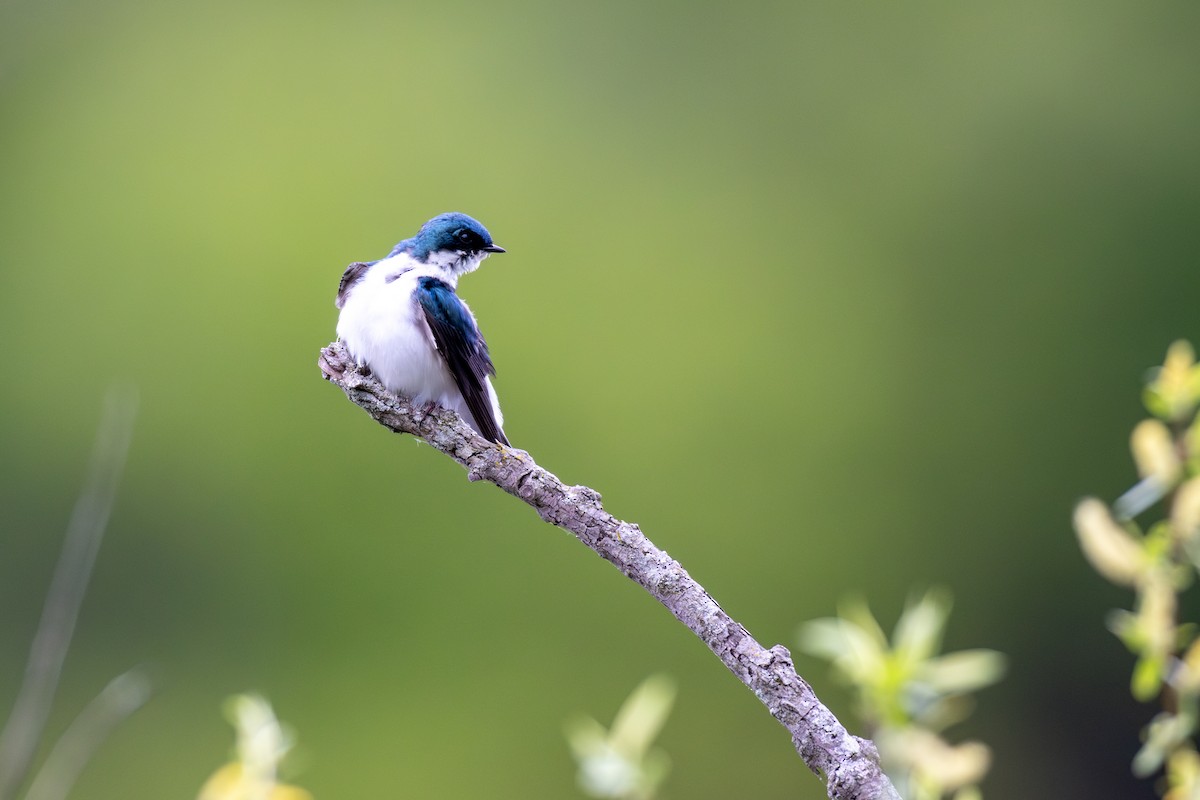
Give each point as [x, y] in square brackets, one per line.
[384, 328]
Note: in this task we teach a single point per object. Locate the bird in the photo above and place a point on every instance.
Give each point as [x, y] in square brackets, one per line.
[401, 318]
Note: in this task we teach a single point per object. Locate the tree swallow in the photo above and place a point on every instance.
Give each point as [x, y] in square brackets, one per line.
[401, 318]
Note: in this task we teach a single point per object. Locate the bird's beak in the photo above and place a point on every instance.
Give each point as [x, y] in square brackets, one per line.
[494, 248]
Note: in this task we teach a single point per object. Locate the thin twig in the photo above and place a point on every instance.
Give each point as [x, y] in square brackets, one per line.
[849, 765]
[23, 731]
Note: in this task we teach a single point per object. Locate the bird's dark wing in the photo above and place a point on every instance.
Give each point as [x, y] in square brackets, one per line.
[349, 278]
[463, 347]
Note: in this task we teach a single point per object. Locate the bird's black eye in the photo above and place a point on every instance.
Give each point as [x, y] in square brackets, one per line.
[464, 236]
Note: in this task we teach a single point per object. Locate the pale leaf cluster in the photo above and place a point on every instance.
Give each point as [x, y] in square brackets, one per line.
[910, 693]
[1158, 560]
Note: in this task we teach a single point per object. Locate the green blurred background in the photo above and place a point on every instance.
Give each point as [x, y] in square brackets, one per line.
[829, 298]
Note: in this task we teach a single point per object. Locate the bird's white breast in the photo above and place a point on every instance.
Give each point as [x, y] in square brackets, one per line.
[384, 328]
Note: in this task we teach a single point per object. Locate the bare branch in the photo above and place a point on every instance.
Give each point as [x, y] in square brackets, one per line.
[849, 765]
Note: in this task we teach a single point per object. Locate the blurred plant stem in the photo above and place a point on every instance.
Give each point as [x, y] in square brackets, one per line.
[123, 695]
[26, 723]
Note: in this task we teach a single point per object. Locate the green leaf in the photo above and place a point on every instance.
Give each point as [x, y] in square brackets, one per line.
[1147, 677]
[919, 630]
[1123, 624]
[963, 671]
[642, 715]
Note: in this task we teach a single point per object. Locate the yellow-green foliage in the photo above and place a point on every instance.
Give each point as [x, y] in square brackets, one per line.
[1158, 559]
[262, 742]
[908, 693]
[621, 762]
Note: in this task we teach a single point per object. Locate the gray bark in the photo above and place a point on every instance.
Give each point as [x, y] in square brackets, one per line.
[848, 764]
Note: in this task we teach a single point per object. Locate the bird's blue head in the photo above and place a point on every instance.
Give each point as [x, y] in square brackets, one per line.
[453, 240]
